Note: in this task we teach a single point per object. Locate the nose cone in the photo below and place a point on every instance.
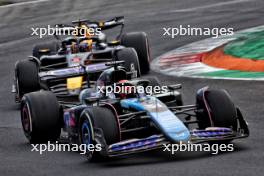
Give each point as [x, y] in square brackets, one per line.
[181, 136]
[171, 126]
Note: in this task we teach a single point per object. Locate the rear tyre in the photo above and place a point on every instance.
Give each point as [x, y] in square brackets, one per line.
[40, 117]
[27, 77]
[45, 49]
[129, 55]
[101, 118]
[139, 41]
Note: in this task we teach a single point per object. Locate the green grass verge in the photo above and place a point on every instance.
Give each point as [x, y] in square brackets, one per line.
[250, 45]
[232, 74]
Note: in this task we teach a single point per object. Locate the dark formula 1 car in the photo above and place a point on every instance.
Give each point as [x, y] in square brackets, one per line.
[129, 123]
[52, 65]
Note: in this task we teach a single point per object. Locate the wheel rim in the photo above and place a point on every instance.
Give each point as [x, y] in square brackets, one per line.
[86, 135]
[26, 119]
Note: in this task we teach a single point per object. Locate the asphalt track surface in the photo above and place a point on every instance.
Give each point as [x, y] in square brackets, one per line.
[149, 16]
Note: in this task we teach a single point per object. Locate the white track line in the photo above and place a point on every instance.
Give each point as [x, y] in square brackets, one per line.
[209, 6]
[22, 3]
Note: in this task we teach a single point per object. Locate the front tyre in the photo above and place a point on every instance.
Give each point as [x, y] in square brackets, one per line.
[40, 117]
[101, 118]
[216, 109]
[27, 77]
[45, 49]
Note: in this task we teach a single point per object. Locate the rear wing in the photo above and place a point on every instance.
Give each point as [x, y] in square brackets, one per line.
[103, 25]
[116, 21]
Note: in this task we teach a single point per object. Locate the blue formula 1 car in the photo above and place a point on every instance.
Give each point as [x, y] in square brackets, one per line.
[132, 122]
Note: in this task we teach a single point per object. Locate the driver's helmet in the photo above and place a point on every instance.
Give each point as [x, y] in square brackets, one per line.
[82, 31]
[74, 47]
[126, 89]
[85, 45]
[111, 76]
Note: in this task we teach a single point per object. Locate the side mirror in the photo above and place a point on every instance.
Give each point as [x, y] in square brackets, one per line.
[174, 87]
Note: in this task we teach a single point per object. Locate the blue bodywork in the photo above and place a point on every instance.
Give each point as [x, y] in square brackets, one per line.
[169, 124]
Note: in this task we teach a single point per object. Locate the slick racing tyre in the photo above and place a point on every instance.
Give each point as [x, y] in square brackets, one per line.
[45, 49]
[220, 110]
[129, 55]
[138, 41]
[100, 118]
[27, 77]
[40, 117]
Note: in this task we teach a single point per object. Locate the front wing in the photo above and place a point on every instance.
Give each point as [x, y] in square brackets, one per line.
[157, 141]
